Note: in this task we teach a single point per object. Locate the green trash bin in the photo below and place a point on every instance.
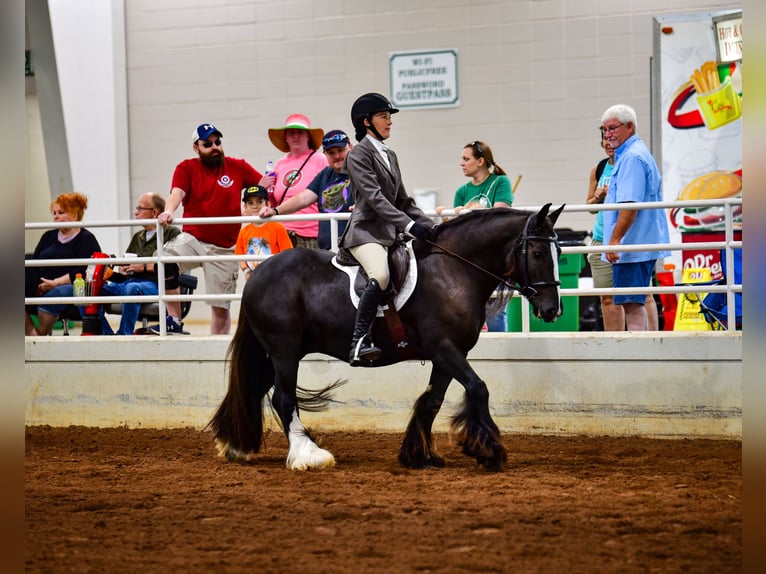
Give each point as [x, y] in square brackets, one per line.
[570, 265]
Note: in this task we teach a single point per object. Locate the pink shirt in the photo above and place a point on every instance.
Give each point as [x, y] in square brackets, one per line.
[286, 169]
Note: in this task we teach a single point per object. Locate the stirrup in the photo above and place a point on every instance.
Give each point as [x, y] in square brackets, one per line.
[360, 355]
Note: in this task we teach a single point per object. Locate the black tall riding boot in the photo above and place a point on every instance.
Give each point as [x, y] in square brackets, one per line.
[362, 350]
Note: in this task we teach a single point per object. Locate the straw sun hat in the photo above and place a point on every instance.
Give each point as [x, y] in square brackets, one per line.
[295, 122]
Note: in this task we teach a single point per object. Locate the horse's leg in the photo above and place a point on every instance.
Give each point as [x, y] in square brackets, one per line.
[473, 427]
[303, 453]
[418, 448]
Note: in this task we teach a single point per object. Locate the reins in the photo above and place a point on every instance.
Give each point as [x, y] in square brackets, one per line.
[527, 290]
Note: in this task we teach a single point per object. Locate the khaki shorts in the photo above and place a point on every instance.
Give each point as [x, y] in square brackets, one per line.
[220, 276]
[600, 270]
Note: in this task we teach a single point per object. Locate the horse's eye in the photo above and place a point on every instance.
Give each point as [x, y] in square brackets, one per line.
[538, 254]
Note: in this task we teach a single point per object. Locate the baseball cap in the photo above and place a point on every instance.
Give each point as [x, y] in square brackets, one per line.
[254, 191]
[204, 131]
[334, 138]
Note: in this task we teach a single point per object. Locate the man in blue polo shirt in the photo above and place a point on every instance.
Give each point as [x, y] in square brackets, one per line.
[635, 178]
[330, 189]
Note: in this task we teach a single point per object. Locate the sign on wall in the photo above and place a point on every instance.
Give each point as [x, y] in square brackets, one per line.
[424, 79]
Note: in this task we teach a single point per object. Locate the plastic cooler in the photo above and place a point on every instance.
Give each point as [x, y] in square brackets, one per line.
[570, 265]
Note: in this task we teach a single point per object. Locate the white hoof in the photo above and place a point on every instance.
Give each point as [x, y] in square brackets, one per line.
[305, 455]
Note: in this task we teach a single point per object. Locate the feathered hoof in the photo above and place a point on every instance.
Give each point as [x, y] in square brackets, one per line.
[228, 452]
[421, 462]
[309, 457]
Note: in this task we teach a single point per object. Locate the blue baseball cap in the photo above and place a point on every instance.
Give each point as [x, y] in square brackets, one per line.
[334, 138]
[204, 131]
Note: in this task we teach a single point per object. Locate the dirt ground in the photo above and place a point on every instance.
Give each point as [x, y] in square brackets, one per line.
[120, 500]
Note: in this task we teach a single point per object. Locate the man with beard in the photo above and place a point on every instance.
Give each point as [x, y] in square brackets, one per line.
[208, 186]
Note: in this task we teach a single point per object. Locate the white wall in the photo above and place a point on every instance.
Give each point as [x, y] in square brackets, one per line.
[535, 77]
[88, 36]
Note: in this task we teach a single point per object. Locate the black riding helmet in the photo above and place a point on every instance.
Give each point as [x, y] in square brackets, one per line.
[363, 109]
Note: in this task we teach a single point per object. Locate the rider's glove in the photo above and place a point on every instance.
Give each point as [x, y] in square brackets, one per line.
[420, 231]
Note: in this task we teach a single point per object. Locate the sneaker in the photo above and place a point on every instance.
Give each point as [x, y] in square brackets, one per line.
[172, 326]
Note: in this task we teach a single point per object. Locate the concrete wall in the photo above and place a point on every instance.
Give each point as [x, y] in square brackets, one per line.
[534, 78]
[653, 384]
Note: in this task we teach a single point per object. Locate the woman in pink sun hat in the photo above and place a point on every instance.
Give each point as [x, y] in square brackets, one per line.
[295, 171]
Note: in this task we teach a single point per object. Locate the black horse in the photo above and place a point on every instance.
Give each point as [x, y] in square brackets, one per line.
[297, 303]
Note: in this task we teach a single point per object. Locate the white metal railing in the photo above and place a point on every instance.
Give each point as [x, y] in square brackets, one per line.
[728, 244]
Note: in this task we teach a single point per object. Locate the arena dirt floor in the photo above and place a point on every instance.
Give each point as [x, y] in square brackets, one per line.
[120, 500]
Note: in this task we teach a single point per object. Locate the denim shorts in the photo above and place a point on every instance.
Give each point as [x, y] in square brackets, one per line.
[638, 274]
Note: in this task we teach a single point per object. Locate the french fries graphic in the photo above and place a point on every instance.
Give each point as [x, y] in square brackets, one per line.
[705, 79]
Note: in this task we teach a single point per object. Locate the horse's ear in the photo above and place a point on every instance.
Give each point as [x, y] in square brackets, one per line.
[539, 219]
[555, 215]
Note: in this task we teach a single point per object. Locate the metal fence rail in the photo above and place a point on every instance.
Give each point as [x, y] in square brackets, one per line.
[729, 245]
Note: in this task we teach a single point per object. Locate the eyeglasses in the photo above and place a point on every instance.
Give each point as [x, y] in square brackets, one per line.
[611, 129]
[336, 138]
[476, 145]
[209, 144]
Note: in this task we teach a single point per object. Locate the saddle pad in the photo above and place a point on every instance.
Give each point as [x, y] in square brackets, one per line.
[408, 286]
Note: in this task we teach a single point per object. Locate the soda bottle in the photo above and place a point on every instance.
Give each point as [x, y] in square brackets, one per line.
[79, 285]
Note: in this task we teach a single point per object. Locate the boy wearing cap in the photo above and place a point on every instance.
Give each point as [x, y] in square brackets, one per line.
[259, 238]
[330, 189]
[208, 186]
[295, 171]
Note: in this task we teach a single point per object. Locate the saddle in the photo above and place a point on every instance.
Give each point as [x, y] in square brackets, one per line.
[398, 268]
[403, 278]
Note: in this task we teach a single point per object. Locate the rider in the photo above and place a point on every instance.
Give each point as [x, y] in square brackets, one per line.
[382, 208]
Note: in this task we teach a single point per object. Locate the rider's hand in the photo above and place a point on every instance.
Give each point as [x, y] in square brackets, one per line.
[420, 231]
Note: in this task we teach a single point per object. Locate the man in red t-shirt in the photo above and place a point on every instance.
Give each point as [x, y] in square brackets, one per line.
[209, 186]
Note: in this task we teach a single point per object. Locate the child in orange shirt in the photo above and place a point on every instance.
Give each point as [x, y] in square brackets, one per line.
[265, 238]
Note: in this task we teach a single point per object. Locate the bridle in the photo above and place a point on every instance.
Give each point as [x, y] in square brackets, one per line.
[526, 288]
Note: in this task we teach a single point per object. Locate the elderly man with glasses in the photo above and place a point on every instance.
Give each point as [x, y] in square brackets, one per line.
[139, 278]
[635, 179]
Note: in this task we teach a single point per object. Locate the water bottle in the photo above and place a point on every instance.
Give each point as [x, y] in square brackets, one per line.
[270, 171]
[79, 286]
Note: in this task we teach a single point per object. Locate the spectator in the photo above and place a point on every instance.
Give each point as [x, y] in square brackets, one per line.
[141, 278]
[489, 187]
[63, 243]
[262, 238]
[601, 270]
[635, 178]
[208, 186]
[330, 189]
[295, 171]
[382, 208]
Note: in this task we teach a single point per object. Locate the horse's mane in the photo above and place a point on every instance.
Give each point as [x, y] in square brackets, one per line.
[477, 217]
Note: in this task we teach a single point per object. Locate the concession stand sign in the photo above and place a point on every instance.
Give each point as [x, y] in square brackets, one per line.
[424, 79]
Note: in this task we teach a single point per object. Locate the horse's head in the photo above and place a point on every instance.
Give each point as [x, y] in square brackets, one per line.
[536, 263]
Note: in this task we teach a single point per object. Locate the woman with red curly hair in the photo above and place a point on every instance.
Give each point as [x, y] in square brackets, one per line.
[61, 243]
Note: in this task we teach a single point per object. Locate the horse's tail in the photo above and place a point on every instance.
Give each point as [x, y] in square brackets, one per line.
[237, 424]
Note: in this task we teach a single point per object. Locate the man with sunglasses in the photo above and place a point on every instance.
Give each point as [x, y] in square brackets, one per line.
[635, 178]
[330, 189]
[209, 185]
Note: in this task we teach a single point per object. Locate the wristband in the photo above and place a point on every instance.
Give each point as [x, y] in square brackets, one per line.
[276, 211]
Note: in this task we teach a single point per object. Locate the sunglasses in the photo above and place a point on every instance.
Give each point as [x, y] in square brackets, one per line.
[476, 145]
[336, 138]
[208, 144]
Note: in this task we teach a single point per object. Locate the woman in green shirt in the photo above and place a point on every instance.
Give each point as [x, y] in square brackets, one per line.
[489, 185]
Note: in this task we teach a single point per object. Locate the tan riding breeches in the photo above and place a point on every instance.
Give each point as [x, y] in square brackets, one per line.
[373, 257]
